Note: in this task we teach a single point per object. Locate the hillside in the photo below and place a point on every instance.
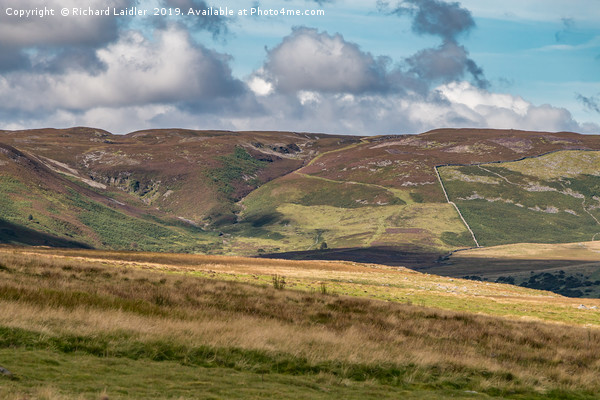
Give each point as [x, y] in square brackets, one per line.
[383, 192]
[297, 195]
[166, 168]
[100, 324]
[96, 189]
[41, 207]
[552, 198]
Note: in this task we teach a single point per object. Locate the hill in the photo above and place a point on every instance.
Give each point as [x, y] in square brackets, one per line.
[113, 191]
[383, 192]
[297, 195]
[42, 207]
[103, 324]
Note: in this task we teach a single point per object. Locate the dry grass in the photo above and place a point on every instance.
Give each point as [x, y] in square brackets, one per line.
[116, 301]
[583, 251]
[343, 278]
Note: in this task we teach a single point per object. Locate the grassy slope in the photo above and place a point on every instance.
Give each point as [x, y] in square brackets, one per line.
[59, 376]
[342, 197]
[191, 175]
[166, 168]
[54, 211]
[406, 162]
[549, 199]
[139, 325]
[300, 212]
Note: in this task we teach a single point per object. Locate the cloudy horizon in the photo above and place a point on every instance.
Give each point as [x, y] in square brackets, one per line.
[367, 68]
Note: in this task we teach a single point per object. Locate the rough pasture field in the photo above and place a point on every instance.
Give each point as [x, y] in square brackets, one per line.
[99, 324]
[553, 198]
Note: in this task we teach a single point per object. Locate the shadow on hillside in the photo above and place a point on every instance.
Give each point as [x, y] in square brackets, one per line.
[413, 257]
[20, 235]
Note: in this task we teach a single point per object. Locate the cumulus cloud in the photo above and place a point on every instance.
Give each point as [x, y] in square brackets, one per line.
[51, 41]
[123, 79]
[56, 30]
[371, 114]
[506, 111]
[458, 105]
[169, 69]
[305, 86]
[446, 63]
[309, 60]
[312, 60]
[56, 43]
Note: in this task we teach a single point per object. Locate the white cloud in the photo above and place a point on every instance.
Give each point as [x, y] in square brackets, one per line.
[472, 97]
[309, 60]
[367, 114]
[311, 81]
[461, 105]
[496, 110]
[259, 85]
[306, 97]
[137, 71]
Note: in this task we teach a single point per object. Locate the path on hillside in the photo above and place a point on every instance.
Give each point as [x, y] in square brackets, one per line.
[379, 225]
[497, 174]
[455, 206]
[394, 192]
[591, 215]
[311, 162]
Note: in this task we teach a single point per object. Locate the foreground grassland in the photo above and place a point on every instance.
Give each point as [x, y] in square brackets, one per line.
[97, 324]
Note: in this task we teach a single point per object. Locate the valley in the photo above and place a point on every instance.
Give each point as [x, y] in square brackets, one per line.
[301, 196]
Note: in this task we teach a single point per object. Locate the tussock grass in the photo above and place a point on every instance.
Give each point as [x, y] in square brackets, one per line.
[79, 307]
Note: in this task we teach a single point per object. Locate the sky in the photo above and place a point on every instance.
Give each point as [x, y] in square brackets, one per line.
[364, 67]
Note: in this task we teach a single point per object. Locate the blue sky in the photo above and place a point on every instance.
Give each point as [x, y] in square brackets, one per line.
[365, 67]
